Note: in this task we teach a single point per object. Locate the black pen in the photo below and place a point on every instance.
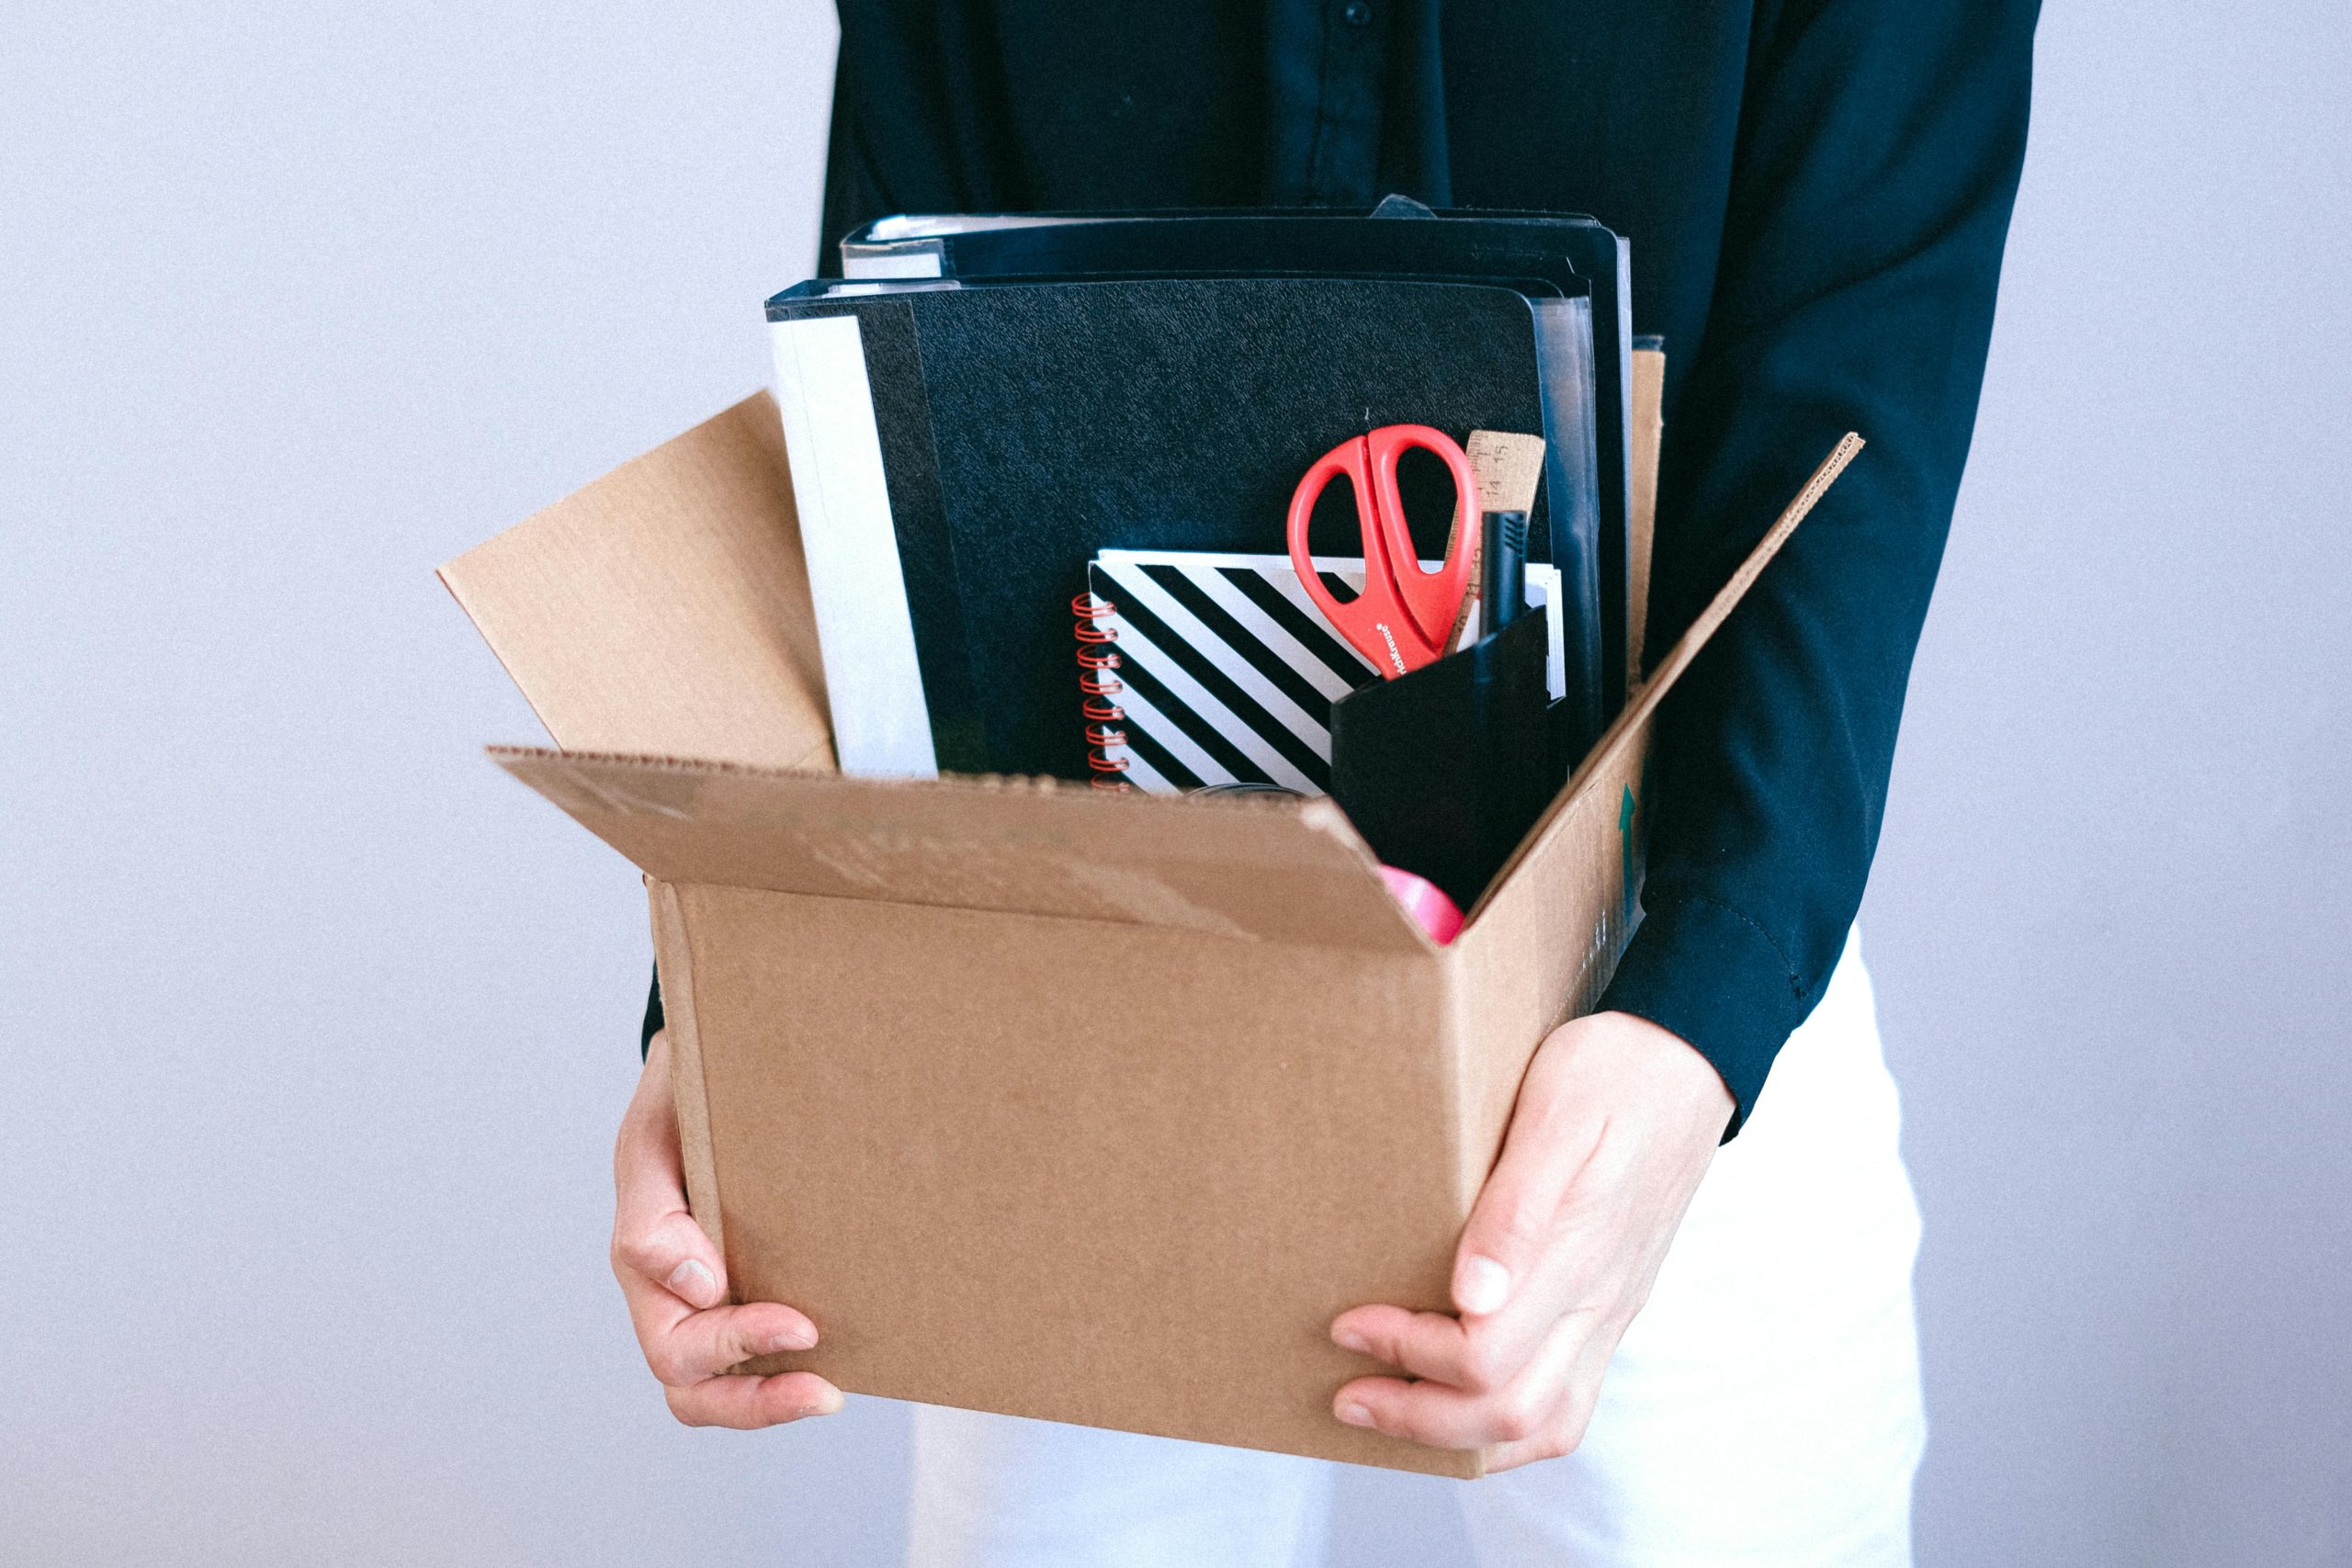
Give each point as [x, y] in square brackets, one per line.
[1502, 569]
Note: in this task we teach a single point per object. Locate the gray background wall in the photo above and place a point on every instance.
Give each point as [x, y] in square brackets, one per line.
[317, 1025]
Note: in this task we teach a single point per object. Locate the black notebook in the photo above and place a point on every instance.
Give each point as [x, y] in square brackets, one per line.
[959, 453]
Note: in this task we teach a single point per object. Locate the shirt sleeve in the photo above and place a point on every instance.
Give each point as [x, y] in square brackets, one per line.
[1877, 162]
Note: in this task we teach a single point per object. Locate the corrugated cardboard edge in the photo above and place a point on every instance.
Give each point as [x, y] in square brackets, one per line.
[1472, 1155]
[1253, 869]
[663, 608]
[1649, 435]
[1625, 731]
[675, 955]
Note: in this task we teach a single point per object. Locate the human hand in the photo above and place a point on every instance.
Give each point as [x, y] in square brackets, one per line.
[1616, 1122]
[677, 1283]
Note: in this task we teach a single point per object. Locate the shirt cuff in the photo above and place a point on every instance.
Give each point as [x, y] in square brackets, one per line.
[653, 1019]
[1708, 973]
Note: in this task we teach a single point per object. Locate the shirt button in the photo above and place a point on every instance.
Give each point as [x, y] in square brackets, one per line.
[1357, 15]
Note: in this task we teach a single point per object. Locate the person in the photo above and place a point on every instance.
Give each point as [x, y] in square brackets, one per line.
[1689, 1354]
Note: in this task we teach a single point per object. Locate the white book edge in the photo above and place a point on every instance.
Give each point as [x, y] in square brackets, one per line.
[865, 632]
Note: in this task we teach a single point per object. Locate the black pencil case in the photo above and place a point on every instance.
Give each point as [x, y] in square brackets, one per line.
[1444, 770]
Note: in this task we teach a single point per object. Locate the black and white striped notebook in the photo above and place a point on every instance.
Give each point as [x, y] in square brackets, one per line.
[1199, 668]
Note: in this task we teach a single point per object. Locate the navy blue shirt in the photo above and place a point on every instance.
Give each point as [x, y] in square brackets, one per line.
[1816, 191]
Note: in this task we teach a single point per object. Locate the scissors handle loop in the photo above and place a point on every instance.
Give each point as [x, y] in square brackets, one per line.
[1401, 619]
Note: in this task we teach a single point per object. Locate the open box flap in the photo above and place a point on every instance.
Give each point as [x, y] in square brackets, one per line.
[663, 610]
[1273, 870]
[1550, 828]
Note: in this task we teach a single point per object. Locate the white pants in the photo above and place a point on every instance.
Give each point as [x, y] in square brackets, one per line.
[1763, 1410]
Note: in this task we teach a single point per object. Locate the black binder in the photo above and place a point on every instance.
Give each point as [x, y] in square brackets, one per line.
[1399, 237]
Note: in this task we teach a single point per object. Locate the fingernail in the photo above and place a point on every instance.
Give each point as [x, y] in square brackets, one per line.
[825, 1404]
[1482, 1286]
[1355, 1415]
[790, 1339]
[1348, 1339]
[694, 1281]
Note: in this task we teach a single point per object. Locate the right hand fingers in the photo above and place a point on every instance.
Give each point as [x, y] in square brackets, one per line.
[668, 1249]
[685, 1346]
[747, 1403]
[655, 1237]
[675, 1281]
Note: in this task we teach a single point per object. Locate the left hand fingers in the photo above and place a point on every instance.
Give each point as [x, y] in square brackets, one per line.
[1563, 1429]
[1478, 1357]
[1426, 1343]
[1544, 1407]
[1520, 1265]
[1614, 1125]
[1430, 1413]
[1522, 1262]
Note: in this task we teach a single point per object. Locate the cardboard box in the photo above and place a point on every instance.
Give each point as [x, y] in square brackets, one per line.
[1037, 1099]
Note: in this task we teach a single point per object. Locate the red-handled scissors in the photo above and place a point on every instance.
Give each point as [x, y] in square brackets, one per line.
[1402, 619]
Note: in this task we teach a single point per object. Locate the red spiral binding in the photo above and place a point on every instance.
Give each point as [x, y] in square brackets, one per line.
[1096, 660]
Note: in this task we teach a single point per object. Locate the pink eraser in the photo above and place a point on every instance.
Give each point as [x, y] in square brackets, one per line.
[1430, 908]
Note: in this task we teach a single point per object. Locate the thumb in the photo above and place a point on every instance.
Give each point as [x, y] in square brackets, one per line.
[655, 1235]
[1518, 1207]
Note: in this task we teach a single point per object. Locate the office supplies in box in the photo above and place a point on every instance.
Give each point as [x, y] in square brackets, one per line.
[1586, 329]
[990, 1189]
[961, 453]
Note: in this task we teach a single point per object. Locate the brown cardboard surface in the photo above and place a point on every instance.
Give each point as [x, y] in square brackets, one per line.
[687, 1091]
[1037, 1099]
[1079, 1171]
[665, 609]
[1630, 732]
[1648, 435]
[1262, 870]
